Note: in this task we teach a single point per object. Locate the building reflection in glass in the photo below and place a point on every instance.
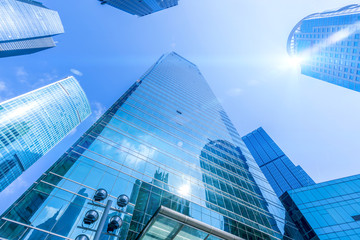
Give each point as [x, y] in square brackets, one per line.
[153, 145]
[62, 220]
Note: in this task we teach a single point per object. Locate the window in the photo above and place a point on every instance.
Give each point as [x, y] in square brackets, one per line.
[356, 217]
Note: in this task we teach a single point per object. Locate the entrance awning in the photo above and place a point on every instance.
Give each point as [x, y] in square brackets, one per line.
[167, 224]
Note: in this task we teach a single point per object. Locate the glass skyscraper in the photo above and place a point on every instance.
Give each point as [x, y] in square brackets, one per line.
[170, 147]
[329, 210]
[141, 8]
[26, 27]
[33, 123]
[281, 173]
[327, 46]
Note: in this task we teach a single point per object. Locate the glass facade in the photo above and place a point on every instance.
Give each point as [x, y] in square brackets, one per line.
[327, 46]
[167, 142]
[281, 173]
[31, 124]
[329, 210]
[141, 8]
[26, 27]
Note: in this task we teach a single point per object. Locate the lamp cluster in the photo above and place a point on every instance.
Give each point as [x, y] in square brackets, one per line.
[92, 216]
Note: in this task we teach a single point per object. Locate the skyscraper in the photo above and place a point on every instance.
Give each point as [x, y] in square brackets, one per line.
[168, 144]
[141, 7]
[281, 173]
[27, 27]
[329, 210]
[327, 46]
[33, 123]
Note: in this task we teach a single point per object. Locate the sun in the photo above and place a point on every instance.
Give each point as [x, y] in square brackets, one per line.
[294, 61]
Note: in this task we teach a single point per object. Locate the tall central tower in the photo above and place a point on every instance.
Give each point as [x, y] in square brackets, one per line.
[170, 147]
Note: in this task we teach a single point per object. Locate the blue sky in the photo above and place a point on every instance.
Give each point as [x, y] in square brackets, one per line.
[239, 46]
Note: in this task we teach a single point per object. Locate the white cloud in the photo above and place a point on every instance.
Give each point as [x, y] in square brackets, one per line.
[18, 185]
[46, 78]
[2, 86]
[234, 92]
[21, 74]
[35, 82]
[50, 212]
[5, 90]
[76, 72]
[99, 110]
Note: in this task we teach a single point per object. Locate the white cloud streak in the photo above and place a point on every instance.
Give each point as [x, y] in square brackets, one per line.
[76, 72]
[2, 86]
[99, 110]
[234, 92]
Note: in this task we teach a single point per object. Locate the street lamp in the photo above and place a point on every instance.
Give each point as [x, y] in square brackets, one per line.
[91, 216]
[115, 223]
[100, 195]
[123, 200]
[82, 237]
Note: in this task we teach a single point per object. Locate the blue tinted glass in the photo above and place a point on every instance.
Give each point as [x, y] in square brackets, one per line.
[166, 142]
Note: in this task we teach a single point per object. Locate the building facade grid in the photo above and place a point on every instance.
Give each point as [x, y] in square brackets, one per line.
[26, 27]
[327, 45]
[329, 210]
[157, 145]
[31, 124]
[280, 171]
[141, 8]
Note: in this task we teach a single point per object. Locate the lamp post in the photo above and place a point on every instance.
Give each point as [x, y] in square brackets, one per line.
[92, 216]
[103, 220]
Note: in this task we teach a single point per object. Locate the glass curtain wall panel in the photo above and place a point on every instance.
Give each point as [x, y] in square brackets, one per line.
[329, 210]
[33, 123]
[166, 142]
[27, 27]
[141, 8]
[279, 170]
[326, 45]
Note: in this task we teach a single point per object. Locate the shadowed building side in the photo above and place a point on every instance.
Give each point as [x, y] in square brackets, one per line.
[281, 173]
[141, 7]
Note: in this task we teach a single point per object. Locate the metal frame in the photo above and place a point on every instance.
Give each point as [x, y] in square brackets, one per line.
[186, 220]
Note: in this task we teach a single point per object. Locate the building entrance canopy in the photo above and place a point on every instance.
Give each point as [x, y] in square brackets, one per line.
[167, 224]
